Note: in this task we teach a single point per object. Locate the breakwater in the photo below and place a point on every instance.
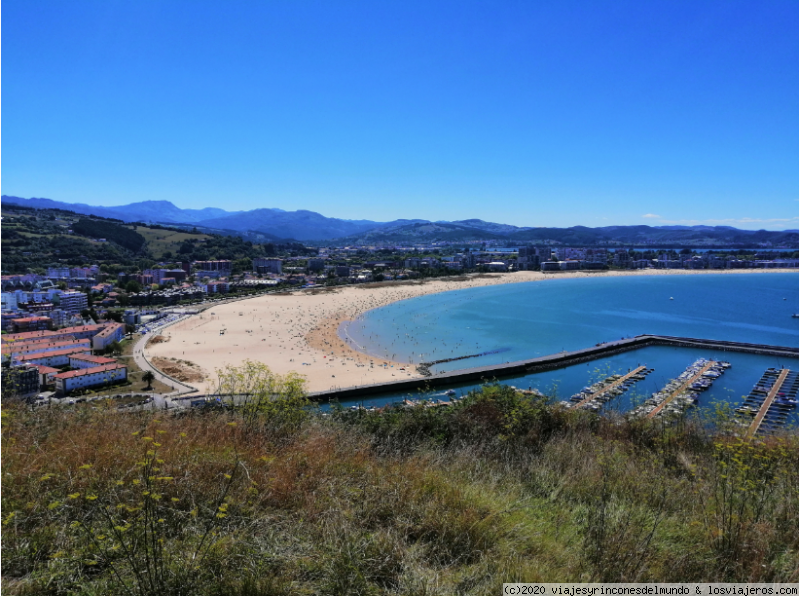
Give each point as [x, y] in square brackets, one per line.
[424, 367]
[551, 362]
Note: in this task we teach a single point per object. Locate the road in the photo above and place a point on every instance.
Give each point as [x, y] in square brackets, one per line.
[178, 388]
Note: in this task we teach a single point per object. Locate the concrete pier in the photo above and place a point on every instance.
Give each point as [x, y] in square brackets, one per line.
[682, 388]
[551, 362]
[775, 389]
[608, 388]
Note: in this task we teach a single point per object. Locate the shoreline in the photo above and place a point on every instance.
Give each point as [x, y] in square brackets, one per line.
[302, 331]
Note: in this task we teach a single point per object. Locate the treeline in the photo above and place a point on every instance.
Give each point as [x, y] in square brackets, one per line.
[95, 228]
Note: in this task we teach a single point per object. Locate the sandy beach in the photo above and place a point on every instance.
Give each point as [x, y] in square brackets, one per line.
[299, 331]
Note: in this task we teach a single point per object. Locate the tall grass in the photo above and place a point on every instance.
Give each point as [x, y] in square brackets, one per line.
[501, 487]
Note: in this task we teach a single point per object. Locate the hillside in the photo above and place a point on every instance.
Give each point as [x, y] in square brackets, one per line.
[274, 499]
[274, 225]
[641, 236]
[34, 239]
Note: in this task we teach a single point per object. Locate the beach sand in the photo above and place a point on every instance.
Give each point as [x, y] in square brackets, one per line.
[299, 331]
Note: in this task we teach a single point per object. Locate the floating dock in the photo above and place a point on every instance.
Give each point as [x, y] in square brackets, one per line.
[683, 392]
[593, 397]
[681, 389]
[770, 401]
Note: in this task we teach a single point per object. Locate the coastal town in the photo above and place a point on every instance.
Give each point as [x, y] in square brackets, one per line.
[399, 298]
[53, 320]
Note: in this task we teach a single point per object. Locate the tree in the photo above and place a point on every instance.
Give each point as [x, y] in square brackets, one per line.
[278, 400]
[148, 377]
[133, 287]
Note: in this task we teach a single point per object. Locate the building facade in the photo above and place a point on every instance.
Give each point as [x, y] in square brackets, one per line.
[89, 377]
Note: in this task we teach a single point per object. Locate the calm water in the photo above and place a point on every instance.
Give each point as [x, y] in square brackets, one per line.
[520, 321]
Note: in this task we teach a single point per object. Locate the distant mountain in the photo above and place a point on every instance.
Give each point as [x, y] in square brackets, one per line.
[300, 225]
[267, 224]
[277, 223]
[420, 232]
[147, 211]
[166, 212]
[466, 231]
[487, 226]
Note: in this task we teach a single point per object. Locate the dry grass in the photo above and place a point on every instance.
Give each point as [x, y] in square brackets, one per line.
[430, 500]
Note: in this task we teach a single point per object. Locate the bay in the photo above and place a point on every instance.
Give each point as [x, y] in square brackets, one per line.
[519, 321]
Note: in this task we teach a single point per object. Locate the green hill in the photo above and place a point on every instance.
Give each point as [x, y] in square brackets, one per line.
[276, 499]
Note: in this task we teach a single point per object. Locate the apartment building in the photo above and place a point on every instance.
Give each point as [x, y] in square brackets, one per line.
[73, 302]
[53, 359]
[81, 361]
[224, 266]
[267, 265]
[23, 325]
[112, 332]
[89, 377]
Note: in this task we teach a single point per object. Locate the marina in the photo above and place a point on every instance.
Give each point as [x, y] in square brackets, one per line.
[683, 392]
[770, 402]
[551, 362]
[594, 397]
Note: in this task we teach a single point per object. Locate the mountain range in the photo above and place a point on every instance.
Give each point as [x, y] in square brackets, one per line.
[309, 226]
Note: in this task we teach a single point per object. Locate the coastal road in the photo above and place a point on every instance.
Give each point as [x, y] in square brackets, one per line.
[178, 388]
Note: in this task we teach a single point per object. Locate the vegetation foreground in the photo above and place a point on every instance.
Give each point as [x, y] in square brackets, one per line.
[276, 498]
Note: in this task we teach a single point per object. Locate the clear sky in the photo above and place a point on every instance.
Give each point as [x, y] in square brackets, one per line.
[532, 112]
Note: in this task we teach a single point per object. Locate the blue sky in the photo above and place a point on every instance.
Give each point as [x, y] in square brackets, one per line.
[532, 113]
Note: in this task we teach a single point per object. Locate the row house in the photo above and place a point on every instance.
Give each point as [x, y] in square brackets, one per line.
[89, 377]
[81, 361]
[17, 349]
[25, 337]
[53, 359]
[84, 331]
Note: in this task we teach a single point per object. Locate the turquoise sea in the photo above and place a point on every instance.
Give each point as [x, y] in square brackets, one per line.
[519, 321]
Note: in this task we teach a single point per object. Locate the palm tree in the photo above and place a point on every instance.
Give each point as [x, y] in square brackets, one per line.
[149, 377]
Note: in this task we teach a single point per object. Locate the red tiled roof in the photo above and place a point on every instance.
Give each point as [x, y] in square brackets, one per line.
[26, 347]
[45, 370]
[88, 371]
[10, 337]
[82, 328]
[109, 330]
[55, 353]
[96, 359]
[29, 319]
[49, 337]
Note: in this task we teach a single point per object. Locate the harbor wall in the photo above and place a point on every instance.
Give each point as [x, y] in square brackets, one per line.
[544, 363]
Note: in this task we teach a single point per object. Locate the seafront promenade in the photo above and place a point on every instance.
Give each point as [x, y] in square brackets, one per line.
[550, 362]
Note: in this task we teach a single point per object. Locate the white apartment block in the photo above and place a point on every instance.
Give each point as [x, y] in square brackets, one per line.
[90, 377]
[73, 302]
[112, 332]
